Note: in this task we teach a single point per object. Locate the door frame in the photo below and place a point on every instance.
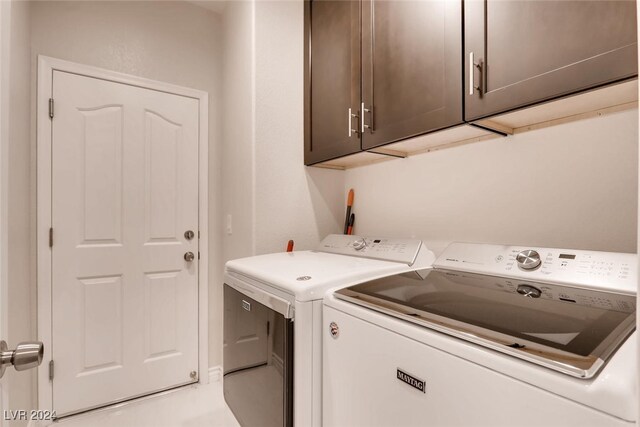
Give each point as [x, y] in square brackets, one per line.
[46, 67]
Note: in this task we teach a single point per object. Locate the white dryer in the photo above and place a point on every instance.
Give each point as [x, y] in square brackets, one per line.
[491, 336]
[272, 365]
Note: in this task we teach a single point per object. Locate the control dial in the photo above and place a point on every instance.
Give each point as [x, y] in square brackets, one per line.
[528, 260]
[529, 291]
[359, 244]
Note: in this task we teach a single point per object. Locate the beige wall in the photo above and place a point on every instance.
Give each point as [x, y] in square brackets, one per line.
[291, 201]
[237, 152]
[269, 194]
[5, 84]
[574, 185]
[21, 263]
[238, 129]
[174, 42]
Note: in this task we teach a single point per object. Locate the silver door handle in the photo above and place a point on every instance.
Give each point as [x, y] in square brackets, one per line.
[189, 256]
[27, 355]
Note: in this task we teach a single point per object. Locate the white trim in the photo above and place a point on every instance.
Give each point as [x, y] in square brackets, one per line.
[215, 374]
[46, 66]
[203, 240]
[90, 415]
[278, 363]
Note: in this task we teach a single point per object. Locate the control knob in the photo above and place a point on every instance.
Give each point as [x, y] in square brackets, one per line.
[529, 291]
[528, 260]
[359, 244]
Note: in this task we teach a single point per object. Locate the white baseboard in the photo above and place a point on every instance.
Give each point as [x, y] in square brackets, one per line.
[215, 373]
[277, 363]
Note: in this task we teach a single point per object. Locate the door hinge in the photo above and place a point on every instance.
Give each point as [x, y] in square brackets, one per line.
[198, 254]
[51, 108]
[51, 370]
[51, 237]
[268, 328]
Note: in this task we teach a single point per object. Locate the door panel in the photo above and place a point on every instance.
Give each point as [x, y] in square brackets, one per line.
[538, 50]
[102, 324]
[411, 66]
[124, 190]
[161, 294]
[102, 175]
[162, 183]
[334, 31]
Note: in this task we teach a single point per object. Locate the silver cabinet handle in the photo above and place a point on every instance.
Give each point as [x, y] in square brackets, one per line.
[189, 256]
[471, 73]
[27, 355]
[350, 126]
[364, 126]
[472, 85]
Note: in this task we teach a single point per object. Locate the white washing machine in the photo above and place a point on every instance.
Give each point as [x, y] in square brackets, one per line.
[272, 363]
[491, 336]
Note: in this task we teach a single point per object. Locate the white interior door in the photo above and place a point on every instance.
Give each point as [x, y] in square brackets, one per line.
[124, 192]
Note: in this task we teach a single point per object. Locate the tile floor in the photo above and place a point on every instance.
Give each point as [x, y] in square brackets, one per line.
[189, 406]
[259, 387]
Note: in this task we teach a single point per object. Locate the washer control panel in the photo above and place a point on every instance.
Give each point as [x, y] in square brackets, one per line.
[386, 249]
[572, 296]
[603, 270]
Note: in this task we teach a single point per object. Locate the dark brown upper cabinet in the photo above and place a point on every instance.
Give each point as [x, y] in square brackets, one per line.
[411, 68]
[332, 79]
[379, 72]
[518, 53]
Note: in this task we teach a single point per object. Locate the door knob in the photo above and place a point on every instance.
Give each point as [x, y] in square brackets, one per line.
[189, 256]
[27, 355]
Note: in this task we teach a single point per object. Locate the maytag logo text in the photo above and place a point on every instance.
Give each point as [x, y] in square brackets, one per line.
[412, 381]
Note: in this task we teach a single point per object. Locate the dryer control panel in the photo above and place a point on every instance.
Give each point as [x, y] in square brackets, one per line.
[382, 248]
[602, 270]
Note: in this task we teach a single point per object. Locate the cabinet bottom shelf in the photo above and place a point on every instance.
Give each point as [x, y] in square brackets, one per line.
[450, 137]
[606, 100]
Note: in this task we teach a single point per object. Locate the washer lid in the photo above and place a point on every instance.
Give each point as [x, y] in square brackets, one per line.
[309, 274]
[568, 329]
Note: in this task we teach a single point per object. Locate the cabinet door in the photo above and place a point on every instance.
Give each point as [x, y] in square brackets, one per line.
[411, 68]
[333, 79]
[530, 51]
